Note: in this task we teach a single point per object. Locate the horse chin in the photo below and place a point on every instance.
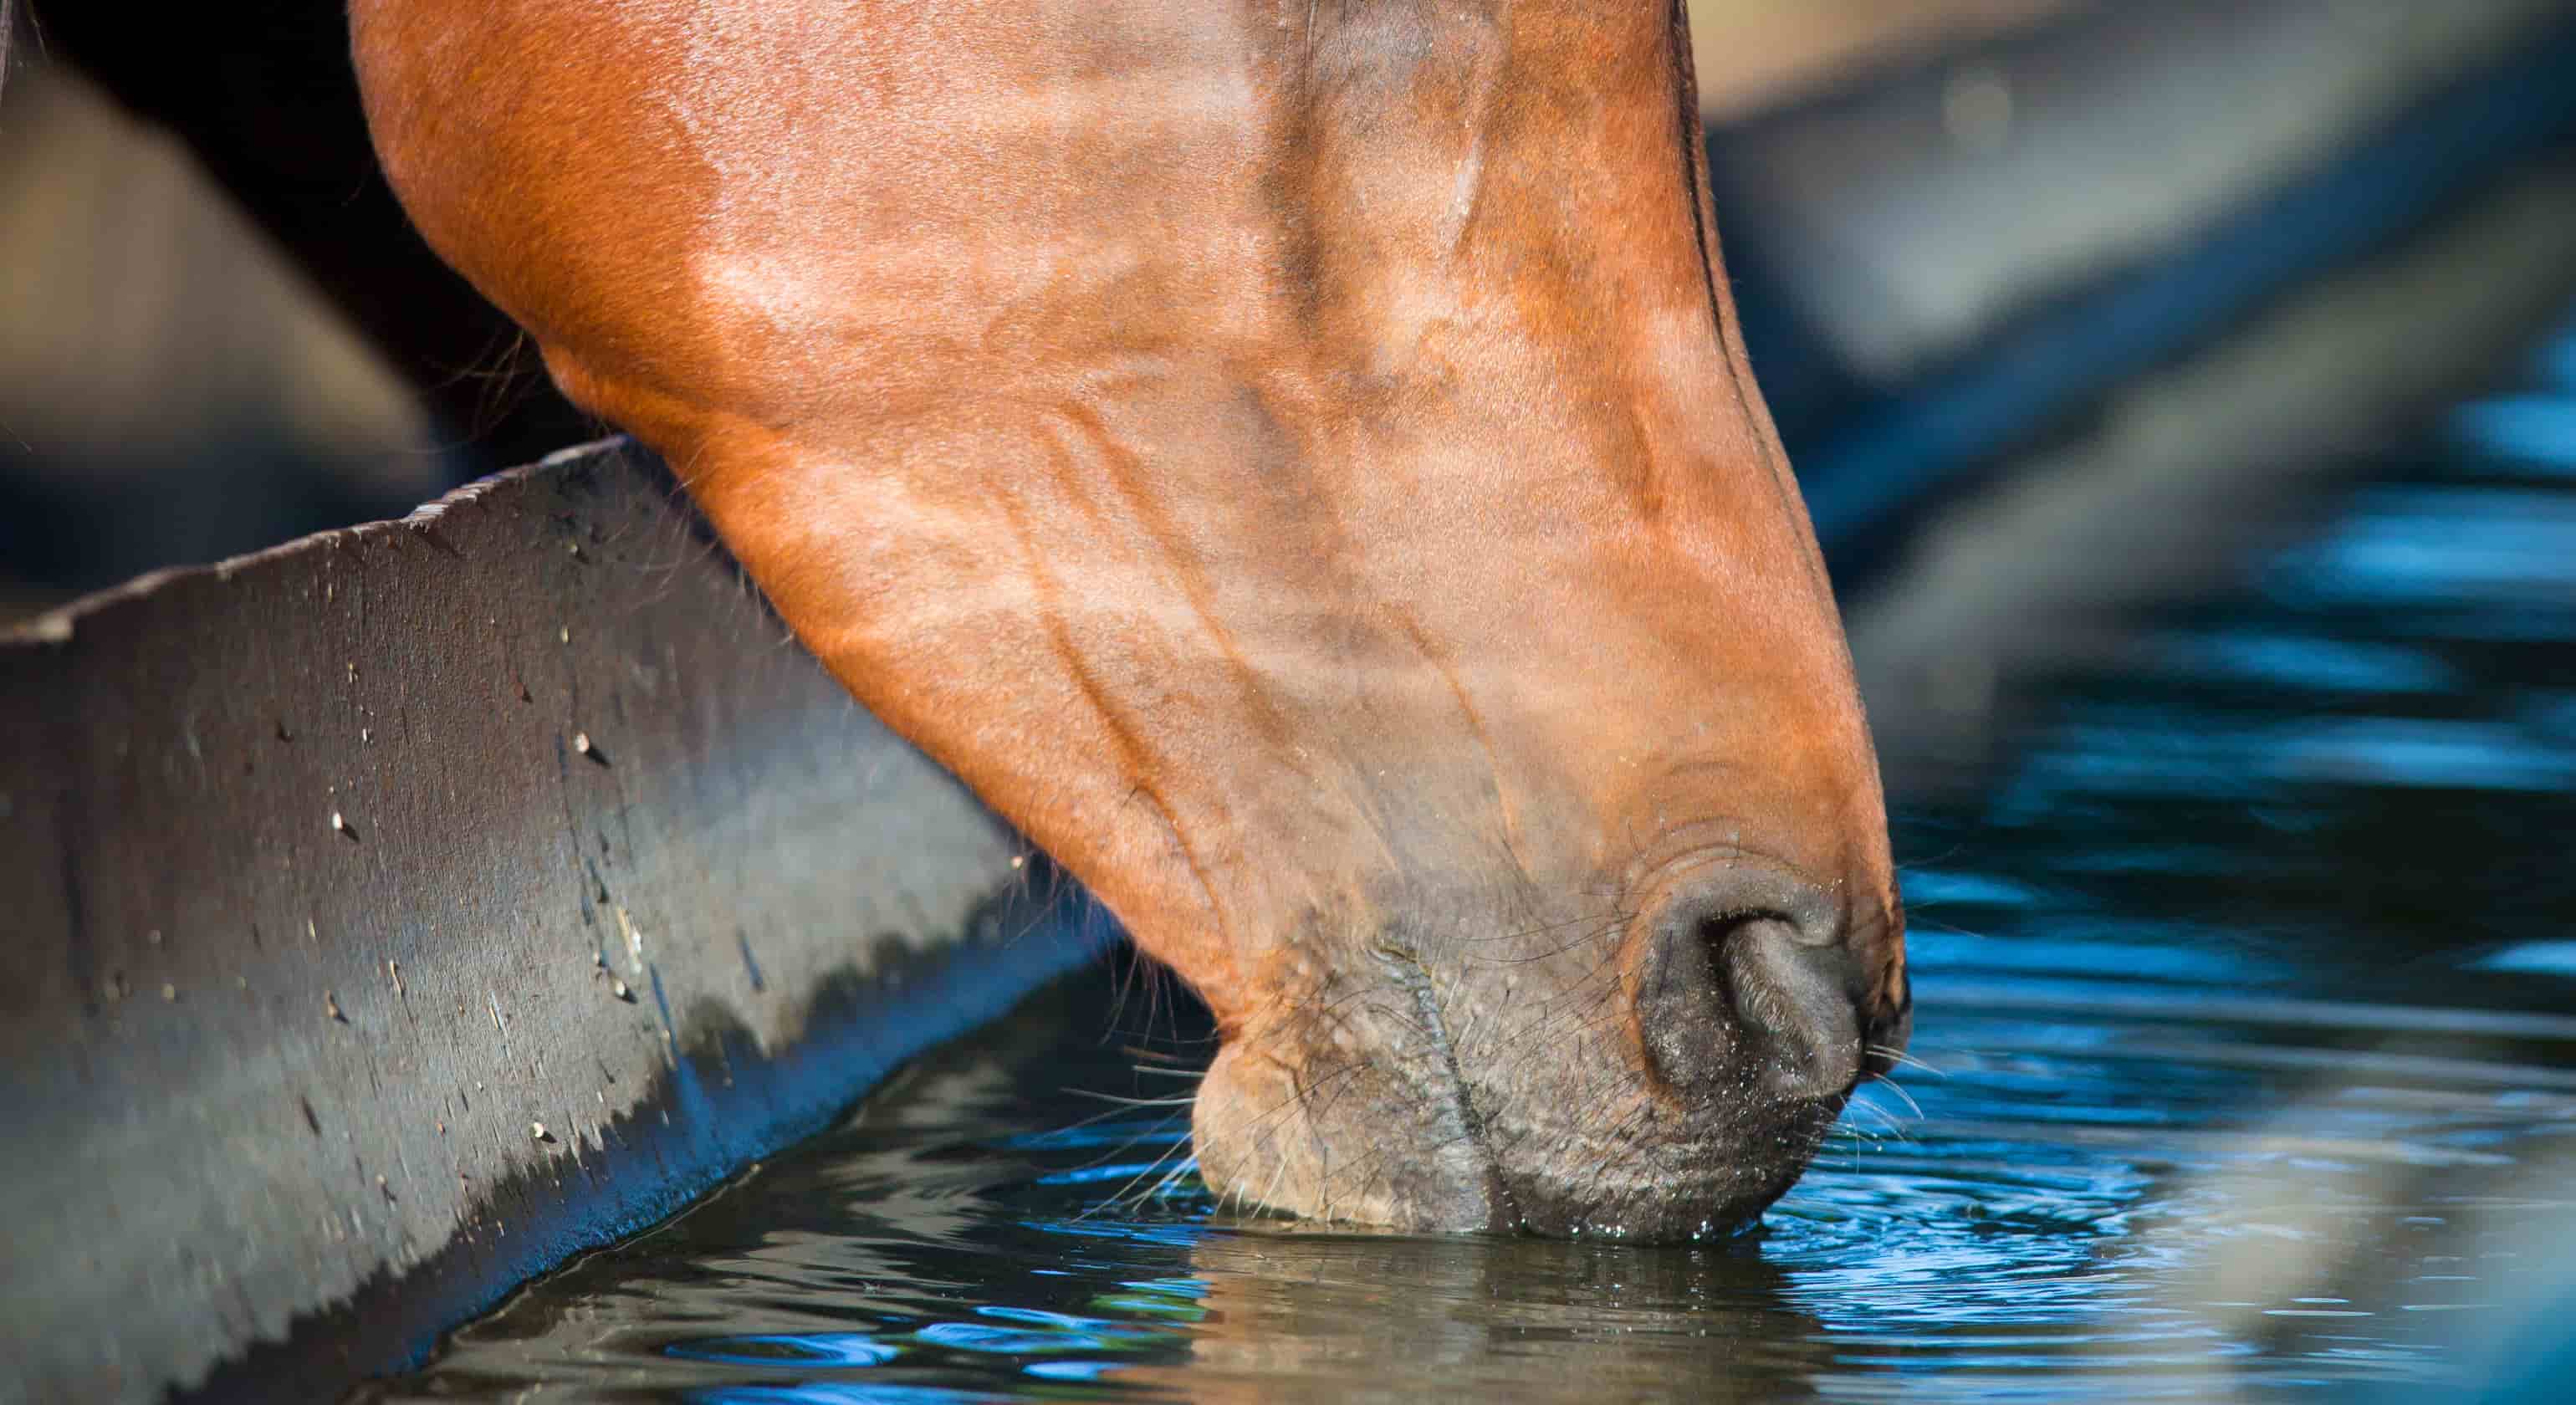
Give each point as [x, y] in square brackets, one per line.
[1689, 1190]
[1384, 1141]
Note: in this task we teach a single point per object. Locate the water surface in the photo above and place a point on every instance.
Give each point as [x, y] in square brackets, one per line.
[2247, 1068]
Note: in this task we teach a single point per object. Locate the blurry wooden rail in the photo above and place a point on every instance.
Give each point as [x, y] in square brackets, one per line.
[1756, 54]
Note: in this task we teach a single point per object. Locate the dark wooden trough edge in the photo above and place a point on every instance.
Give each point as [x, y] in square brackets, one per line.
[394, 914]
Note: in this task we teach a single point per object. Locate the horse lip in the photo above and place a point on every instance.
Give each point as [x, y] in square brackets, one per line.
[1409, 974]
[1706, 1176]
[1669, 1209]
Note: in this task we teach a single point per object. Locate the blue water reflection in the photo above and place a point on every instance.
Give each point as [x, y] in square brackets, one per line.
[2536, 431]
[790, 1349]
[2555, 365]
[2273, 659]
[838, 1393]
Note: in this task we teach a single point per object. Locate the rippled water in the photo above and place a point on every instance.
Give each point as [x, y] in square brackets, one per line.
[2247, 1010]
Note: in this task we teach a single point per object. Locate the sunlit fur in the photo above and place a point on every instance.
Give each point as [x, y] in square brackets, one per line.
[1297, 462]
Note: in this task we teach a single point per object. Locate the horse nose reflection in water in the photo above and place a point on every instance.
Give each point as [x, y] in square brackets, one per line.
[1296, 462]
[1519, 1320]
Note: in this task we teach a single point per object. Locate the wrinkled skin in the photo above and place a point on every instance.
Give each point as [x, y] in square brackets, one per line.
[1296, 462]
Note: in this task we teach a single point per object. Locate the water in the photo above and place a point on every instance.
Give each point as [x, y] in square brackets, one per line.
[2248, 1001]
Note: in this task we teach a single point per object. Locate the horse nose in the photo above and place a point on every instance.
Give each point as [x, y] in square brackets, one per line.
[1748, 982]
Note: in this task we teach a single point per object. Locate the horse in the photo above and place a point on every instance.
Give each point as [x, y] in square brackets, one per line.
[1296, 460]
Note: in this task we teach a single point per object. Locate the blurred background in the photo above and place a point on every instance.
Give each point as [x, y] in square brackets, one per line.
[174, 388]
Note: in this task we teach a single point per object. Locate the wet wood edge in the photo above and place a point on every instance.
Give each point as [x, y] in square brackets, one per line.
[396, 913]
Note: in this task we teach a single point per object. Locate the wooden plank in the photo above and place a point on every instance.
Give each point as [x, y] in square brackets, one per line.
[337, 872]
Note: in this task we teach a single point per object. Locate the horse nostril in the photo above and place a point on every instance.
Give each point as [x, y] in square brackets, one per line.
[1748, 984]
[1798, 1002]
